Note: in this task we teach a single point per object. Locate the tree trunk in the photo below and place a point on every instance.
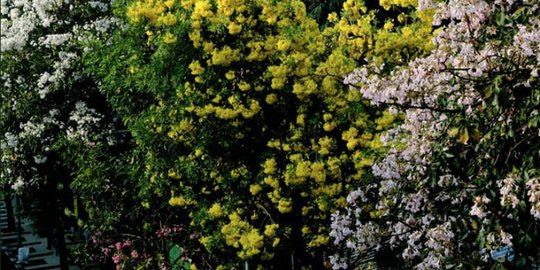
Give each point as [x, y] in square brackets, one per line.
[59, 234]
[10, 213]
[61, 246]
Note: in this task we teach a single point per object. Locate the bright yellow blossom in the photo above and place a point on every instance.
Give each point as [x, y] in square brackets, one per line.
[169, 38]
[255, 189]
[270, 230]
[285, 206]
[216, 211]
[271, 99]
[196, 68]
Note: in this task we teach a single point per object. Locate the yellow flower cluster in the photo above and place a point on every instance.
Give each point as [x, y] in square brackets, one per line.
[387, 4]
[225, 56]
[386, 120]
[240, 234]
[252, 243]
[216, 211]
[178, 201]
[150, 10]
[154, 11]
[270, 230]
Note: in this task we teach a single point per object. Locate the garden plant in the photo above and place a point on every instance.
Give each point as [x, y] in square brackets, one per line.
[269, 134]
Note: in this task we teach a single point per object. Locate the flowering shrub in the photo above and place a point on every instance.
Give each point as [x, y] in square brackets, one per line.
[61, 147]
[45, 97]
[239, 108]
[458, 186]
[124, 251]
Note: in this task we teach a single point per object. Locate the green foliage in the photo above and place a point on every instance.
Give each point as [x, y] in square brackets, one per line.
[177, 260]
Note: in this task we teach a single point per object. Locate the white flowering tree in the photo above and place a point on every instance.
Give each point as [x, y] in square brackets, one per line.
[460, 186]
[48, 107]
[45, 96]
[62, 149]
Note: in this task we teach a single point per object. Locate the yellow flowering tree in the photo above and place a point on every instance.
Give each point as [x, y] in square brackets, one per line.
[241, 109]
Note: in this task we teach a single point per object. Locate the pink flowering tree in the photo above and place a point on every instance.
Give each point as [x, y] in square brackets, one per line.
[460, 185]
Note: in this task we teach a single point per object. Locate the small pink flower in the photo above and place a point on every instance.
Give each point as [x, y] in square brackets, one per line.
[118, 245]
[127, 243]
[135, 254]
[105, 251]
[116, 259]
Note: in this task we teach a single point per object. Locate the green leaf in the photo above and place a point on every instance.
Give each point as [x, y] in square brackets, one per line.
[175, 254]
[487, 136]
[496, 84]
[518, 12]
[500, 18]
[521, 262]
[533, 122]
[526, 240]
[464, 135]
[488, 92]
[453, 132]
[481, 240]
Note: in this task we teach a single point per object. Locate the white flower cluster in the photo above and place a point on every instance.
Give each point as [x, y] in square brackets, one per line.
[29, 23]
[14, 148]
[99, 5]
[40, 56]
[534, 196]
[11, 141]
[19, 183]
[17, 24]
[55, 39]
[85, 119]
[479, 207]
[509, 191]
[47, 81]
[31, 129]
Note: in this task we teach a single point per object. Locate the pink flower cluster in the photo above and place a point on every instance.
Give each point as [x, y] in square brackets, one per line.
[126, 254]
[168, 231]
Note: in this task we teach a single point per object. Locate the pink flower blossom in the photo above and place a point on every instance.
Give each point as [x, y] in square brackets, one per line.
[127, 244]
[116, 259]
